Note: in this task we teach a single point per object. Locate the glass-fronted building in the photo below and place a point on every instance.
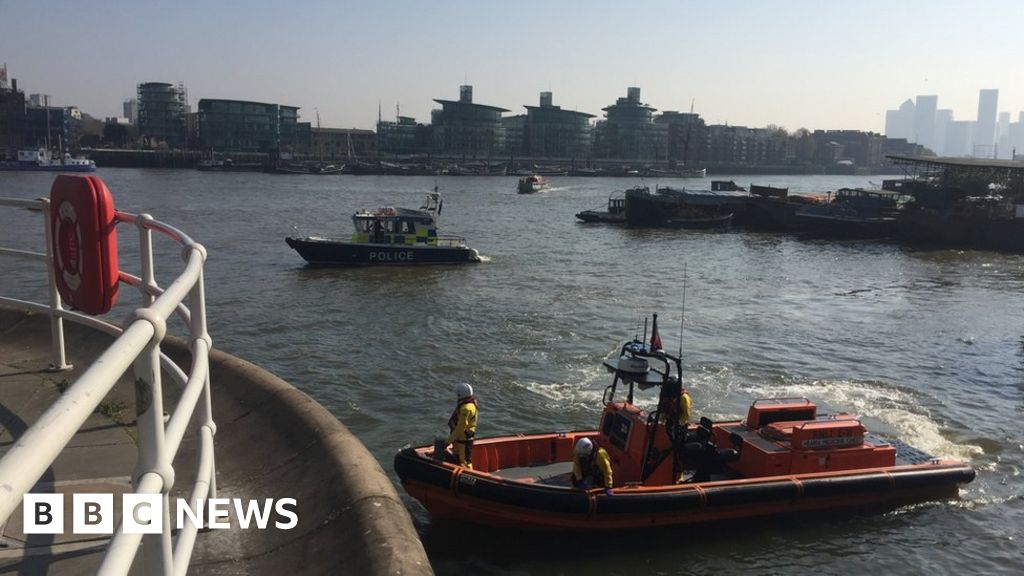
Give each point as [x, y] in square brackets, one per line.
[243, 126]
[404, 136]
[464, 129]
[629, 132]
[162, 114]
[552, 132]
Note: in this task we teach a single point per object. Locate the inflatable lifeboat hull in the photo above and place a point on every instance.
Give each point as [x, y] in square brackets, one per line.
[522, 481]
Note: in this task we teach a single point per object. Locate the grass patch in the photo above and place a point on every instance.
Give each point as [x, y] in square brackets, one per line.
[114, 410]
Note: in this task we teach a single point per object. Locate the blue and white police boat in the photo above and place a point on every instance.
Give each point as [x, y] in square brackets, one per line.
[389, 235]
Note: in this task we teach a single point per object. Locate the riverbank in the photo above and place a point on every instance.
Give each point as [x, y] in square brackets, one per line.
[190, 159]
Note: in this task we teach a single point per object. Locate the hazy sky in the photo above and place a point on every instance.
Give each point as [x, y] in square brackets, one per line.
[815, 64]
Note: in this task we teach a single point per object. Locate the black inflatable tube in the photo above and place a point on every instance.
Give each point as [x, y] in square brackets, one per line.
[411, 465]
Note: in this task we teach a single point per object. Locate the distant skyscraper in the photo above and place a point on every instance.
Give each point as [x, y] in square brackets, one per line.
[942, 120]
[1017, 137]
[985, 131]
[924, 120]
[39, 100]
[958, 138]
[900, 123]
[131, 110]
[1003, 144]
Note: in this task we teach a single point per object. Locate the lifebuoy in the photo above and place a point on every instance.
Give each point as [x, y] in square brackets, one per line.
[84, 243]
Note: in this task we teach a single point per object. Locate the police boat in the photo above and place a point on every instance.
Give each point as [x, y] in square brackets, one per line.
[784, 457]
[389, 235]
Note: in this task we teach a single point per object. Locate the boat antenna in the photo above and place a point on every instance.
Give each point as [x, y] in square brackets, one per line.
[682, 314]
[645, 330]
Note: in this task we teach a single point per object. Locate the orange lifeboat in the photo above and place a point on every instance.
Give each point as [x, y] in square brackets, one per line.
[783, 457]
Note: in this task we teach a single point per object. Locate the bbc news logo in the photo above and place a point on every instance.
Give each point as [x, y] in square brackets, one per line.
[143, 513]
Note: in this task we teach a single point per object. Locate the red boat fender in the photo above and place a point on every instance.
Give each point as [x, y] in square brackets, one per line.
[84, 243]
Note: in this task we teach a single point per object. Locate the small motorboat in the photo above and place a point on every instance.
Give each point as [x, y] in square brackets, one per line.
[389, 236]
[41, 160]
[532, 184]
[783, 457]
[615, 214]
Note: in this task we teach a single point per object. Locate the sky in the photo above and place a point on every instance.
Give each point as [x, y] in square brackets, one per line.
[811, 64]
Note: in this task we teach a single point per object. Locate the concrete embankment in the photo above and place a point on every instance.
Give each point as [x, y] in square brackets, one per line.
[272, 441]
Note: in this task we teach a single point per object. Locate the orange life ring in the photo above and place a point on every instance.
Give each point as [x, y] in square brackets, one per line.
[84, 243]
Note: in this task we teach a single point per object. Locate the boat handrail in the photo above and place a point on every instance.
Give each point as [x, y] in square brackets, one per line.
[782, 400]
[449, 241]
[138, 345]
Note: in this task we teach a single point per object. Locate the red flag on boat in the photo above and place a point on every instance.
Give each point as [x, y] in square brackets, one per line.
[655, 337]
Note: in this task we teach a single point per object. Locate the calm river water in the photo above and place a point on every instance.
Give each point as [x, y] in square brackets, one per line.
[927, 346]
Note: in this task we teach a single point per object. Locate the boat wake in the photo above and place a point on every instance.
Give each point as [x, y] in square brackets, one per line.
[582, 393]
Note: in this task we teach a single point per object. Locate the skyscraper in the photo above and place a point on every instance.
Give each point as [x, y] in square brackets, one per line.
[942, 120]
[958, 138]
[900, 123]
[985, 130]
[924, 120]
[1004, 146]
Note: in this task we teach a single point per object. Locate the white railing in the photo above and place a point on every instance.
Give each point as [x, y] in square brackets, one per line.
[137, 346]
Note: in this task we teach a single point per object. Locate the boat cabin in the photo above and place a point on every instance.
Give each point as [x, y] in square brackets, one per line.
[399, 226]
[866, 199]
[35, 156]
[643, 446]
[617, 205]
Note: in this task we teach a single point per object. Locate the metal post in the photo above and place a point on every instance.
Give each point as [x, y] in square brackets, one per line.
[197, 306]
[56, 306]
[149, 409]
[146, 256]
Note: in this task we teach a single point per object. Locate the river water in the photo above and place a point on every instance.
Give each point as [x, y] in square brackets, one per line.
[927, 345]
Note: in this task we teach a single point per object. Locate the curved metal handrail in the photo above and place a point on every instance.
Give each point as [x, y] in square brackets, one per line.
[137, 344]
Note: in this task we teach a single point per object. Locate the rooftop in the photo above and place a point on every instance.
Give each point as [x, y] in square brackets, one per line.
[460, 103]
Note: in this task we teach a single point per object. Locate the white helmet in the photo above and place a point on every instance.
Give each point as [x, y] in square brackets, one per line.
[584, 447]
[463, 390]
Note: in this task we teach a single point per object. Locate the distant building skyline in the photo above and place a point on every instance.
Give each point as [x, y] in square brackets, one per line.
[344, 58]
[990, 134]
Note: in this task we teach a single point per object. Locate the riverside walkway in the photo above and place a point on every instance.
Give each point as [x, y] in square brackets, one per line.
[273, 441]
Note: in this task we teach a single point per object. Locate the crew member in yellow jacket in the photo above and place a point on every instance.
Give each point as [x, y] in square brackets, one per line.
[591, 466]
[685, 406]
[463, 425]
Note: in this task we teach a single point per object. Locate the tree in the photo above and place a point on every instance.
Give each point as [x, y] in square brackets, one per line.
[805, 145]
[118, 135]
